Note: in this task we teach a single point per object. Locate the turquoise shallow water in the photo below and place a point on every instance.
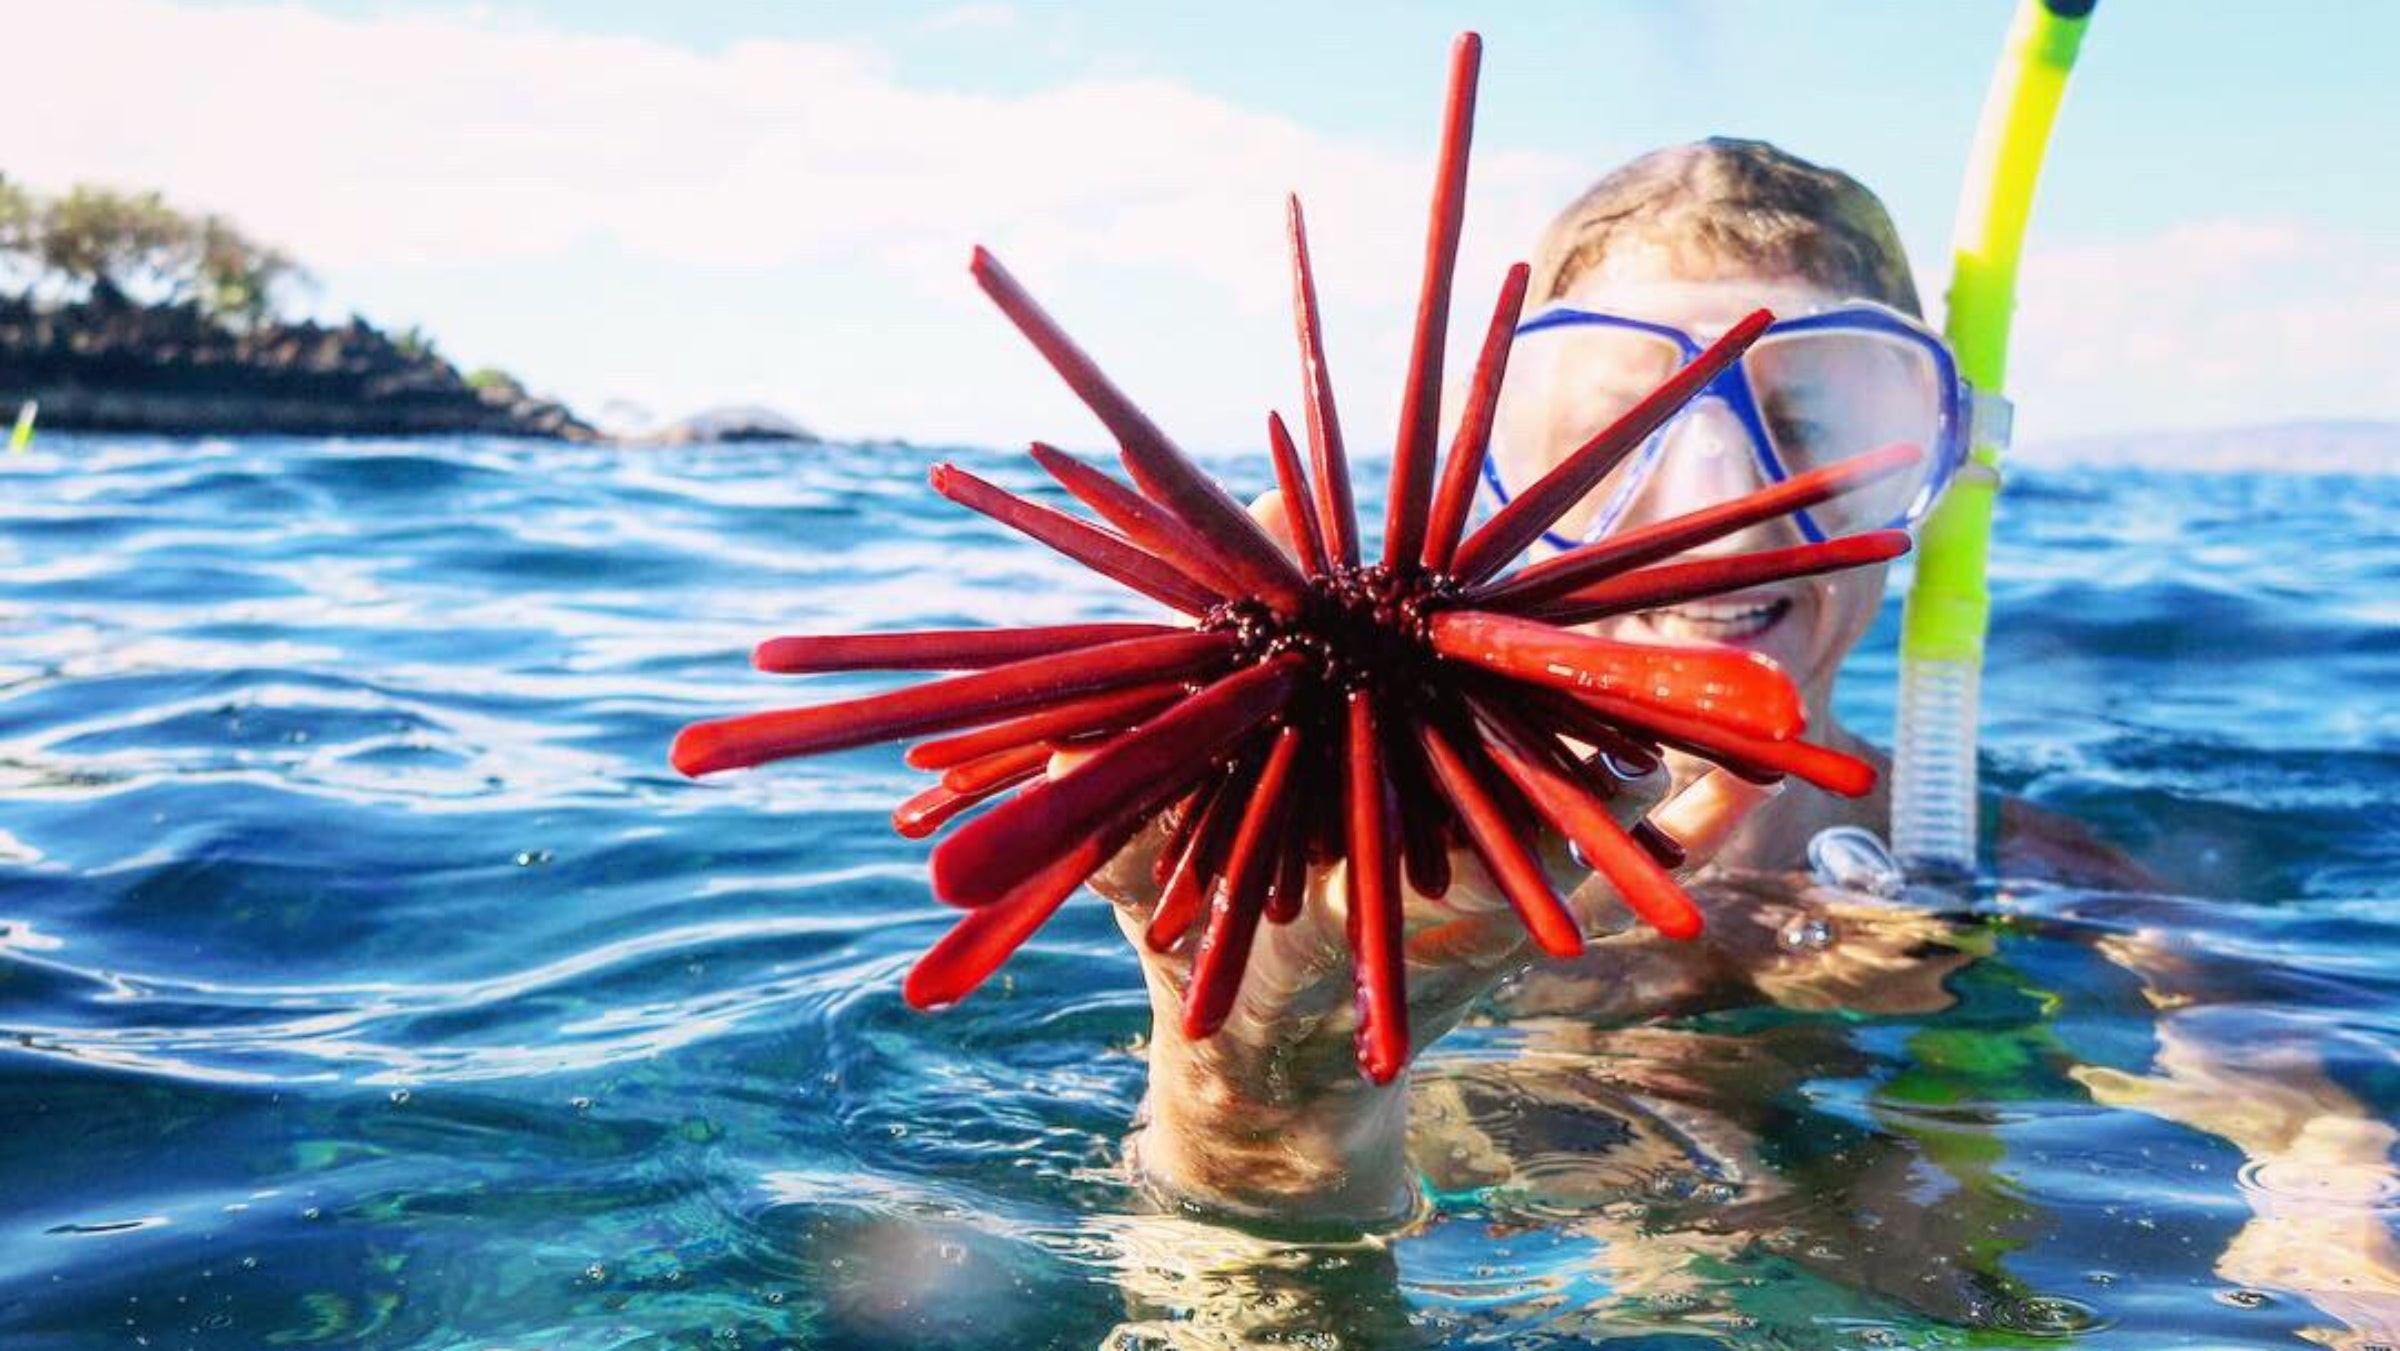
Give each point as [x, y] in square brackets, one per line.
[367, 979]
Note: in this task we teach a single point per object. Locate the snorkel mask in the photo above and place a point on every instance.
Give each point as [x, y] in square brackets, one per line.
[1815, 390]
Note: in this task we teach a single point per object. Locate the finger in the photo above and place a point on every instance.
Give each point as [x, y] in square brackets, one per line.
[1125, 880]
[1699, 820]
[1639, 791]
[1709, 810]
[1475, 924]
[1268, 511]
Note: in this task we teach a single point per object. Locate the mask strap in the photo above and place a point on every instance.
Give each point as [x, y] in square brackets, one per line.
[1991, 422]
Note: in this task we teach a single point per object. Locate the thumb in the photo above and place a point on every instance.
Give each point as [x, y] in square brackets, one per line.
[1269, 511]
[1699, 820]
[1710, 809]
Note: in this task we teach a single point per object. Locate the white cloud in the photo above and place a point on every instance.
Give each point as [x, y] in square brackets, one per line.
[2208, 322]
[449, 140]
[839, 201]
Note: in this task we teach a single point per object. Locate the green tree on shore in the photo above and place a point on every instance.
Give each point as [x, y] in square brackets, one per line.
[117, 247]
[240, 277]
[18, 212]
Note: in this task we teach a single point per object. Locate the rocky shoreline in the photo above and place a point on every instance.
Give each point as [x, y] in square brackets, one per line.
[112, 366]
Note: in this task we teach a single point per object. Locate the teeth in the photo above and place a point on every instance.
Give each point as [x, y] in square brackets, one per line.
[1719, 619]
[1723, 614]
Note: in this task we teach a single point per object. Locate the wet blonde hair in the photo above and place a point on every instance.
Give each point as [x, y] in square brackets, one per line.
[1722, 203]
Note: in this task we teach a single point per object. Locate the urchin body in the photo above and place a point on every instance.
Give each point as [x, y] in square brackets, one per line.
[1315, 705]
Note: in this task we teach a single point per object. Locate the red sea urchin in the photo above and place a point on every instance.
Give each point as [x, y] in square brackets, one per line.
[1320, 707]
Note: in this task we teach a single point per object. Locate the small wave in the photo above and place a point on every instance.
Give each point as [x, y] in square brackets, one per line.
[357, 926]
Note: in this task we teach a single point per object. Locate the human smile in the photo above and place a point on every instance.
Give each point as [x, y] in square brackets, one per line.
[1728, 620]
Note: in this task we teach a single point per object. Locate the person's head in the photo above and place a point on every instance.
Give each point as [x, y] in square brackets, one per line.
[1695, 237]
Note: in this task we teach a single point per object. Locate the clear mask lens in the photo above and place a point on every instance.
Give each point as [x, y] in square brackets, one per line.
[1822, 396]
[1566, 385]
[1826, 395]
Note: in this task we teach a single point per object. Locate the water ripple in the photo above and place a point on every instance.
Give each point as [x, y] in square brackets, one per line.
[367, 978]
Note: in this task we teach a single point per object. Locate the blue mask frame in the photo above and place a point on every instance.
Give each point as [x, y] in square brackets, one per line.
[1732, 389]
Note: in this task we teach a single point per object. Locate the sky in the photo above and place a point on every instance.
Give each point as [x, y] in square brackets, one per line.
[666, 207]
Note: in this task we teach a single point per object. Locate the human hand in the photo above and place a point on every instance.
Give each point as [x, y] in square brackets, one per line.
[1269, 1113]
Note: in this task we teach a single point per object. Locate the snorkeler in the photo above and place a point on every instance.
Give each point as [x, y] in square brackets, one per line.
[1270, 1119]
[1270, 1116]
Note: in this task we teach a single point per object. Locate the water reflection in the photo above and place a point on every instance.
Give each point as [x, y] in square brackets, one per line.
[1843, 1178]
[366, 978]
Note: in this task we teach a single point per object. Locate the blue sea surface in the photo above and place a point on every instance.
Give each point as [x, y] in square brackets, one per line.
[368, 979]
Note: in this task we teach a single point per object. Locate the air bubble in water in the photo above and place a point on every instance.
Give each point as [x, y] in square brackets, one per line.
[2245, 1298]
[1809, 933]
[2049, 1316]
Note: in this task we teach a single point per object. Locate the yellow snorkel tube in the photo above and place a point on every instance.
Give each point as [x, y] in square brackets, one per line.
[1934, 799]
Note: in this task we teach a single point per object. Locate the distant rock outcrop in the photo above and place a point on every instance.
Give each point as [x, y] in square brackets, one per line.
[107, 365]
[746, 422]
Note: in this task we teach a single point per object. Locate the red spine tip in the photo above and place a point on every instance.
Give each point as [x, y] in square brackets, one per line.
[1379, 1062]
[1412, 475]
[694, 750]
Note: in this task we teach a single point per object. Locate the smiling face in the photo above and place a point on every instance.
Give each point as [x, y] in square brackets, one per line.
[1806, 625]
[1694, 237]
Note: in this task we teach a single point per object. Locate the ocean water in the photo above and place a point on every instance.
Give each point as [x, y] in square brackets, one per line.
[367, 978]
